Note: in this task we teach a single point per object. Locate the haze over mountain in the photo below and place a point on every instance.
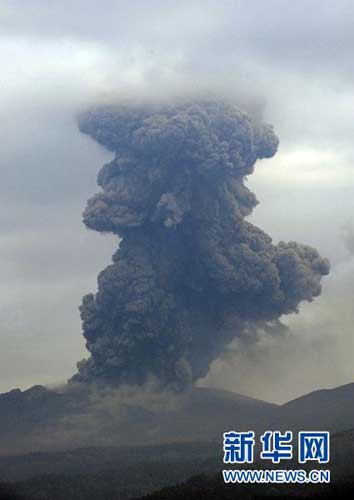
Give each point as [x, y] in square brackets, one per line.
[92, 473]
[327, 409]
[43, 419]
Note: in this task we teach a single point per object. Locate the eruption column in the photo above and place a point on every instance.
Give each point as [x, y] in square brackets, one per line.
[190, 273]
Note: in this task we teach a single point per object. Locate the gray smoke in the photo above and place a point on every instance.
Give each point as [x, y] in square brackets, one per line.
[348, 236]
[190, 273]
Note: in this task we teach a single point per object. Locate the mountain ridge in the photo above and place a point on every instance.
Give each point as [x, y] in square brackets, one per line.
[42, 419]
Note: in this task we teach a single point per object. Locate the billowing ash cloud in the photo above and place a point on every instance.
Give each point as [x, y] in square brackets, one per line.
[190, 273]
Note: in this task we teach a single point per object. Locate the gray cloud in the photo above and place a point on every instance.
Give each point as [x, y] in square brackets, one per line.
[315, 352]
[57, 56]
[348, 236]
[175, 193]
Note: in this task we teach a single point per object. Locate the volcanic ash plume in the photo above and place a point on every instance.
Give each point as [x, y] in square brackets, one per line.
[190, 273]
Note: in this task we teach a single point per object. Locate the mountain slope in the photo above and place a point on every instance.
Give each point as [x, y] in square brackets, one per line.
[41, 419]
[326, 409]
[101, 473]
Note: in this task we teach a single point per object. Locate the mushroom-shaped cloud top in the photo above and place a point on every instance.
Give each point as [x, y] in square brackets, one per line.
[190, 273]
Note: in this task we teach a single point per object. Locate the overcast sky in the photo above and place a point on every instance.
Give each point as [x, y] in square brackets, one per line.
[296, 58]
